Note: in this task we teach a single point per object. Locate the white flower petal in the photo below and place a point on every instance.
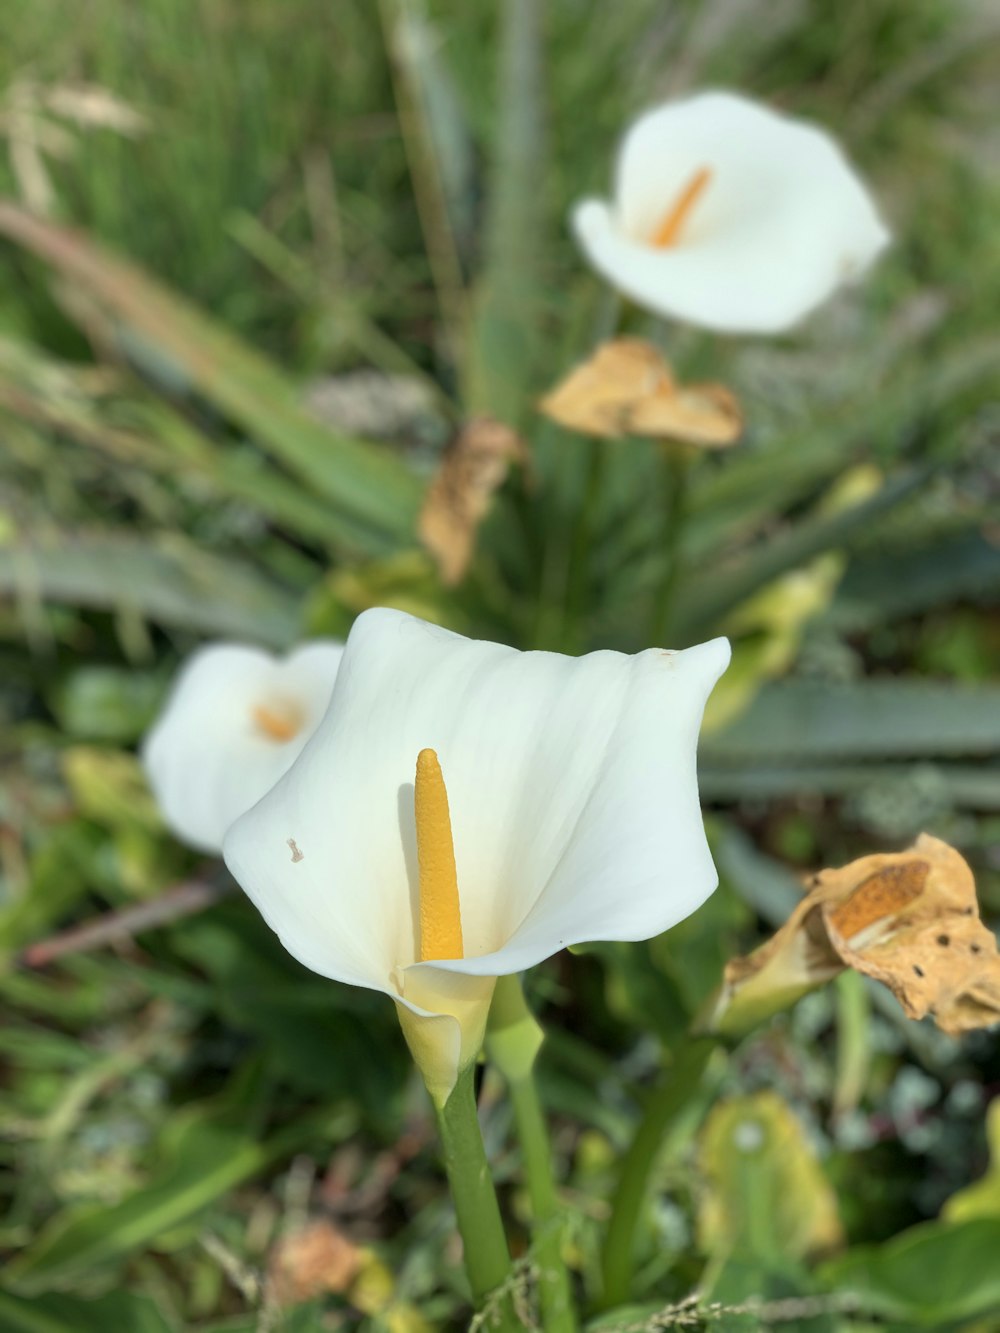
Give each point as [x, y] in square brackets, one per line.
[783, 220]
[207, 757]
[573, 798]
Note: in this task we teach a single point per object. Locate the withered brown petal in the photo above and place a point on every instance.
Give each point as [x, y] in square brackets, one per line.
[315, 1260]
[472, 468]
[914, 926]
[627, 388]
[909, 920]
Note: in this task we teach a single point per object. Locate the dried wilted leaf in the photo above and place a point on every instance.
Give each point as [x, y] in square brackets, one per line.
[473, 467]
[627, 388]
[313, 1261]
[94, 107]
[908, 919]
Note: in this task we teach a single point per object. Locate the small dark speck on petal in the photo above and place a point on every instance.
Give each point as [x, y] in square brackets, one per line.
[919, 970]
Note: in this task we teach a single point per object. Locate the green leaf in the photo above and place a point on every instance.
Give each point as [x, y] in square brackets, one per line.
[962, 785]
[173, 584]
[183, 347]
[118, 1311]
[62, 872]
[207, 1152]
[707, 598]
[104, 703]
[504, 332]
[765, 1196]
[930, 1274]
[982, 1198]
[890, 718]
[881, 586]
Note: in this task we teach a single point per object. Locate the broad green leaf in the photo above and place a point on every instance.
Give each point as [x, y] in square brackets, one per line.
[207, 1152]
[504, 330]
[929, 1275]
[982, 1198]
[706, 598]
[882, 586]
[62, 873]
[118, 1312]
[170, 582]
[182, 346]
[765, 1194]
[891, 718]
[963, 785]
[105, 703]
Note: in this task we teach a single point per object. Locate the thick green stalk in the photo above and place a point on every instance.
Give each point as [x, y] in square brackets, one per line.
[672, 1113]
[676, 467]
[582, 539]
[487, 1258]
[513, 1039]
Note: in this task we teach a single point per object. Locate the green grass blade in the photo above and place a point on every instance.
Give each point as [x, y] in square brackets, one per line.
[182, 344]
[503, 346]
[172, 584]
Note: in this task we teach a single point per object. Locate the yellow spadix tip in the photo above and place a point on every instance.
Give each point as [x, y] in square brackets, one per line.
[669, 230]
[440, 916]
[277, 724]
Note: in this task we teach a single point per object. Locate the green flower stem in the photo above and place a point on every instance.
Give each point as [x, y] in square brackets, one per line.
[677, 465]
[672, 1114]
[487, 1258]
[513, 1039]
[582, 540]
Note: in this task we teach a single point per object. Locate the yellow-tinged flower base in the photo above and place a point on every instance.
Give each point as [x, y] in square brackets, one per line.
[449, 1040]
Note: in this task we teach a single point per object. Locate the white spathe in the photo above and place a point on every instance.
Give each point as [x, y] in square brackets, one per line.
[781, 221]
[574, 810]
[235, 720]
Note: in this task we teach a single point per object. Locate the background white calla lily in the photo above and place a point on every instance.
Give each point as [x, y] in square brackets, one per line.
[234, 722]
[574, 810]
[769, 216]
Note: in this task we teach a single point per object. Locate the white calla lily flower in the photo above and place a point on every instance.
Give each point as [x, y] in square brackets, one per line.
[234, 722]
[465, 810]
[730, 216]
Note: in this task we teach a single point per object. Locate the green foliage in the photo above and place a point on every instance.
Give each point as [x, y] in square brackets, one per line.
[321, 187]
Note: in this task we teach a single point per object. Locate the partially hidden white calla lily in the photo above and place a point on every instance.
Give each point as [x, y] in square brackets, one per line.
[730, 216]
[569, 798]
[234, 722]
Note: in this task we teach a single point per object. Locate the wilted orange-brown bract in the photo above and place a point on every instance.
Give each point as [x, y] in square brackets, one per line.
[313, 1261]
[911, 921]
[473, 467]
[907, 919]
[627, 388]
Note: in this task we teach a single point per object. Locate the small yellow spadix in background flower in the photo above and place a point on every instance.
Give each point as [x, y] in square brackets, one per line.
[627, 388]
[465, 810]
[730, 216]
[235, 720]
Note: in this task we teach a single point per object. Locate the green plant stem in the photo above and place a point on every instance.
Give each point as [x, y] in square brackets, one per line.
[853, 1042]
[513, 1040]
[583, 532]
[672, 1114]
[676, 469]
[487, 1258]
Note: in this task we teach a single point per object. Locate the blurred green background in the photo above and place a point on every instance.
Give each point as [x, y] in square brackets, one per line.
[329, 231]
